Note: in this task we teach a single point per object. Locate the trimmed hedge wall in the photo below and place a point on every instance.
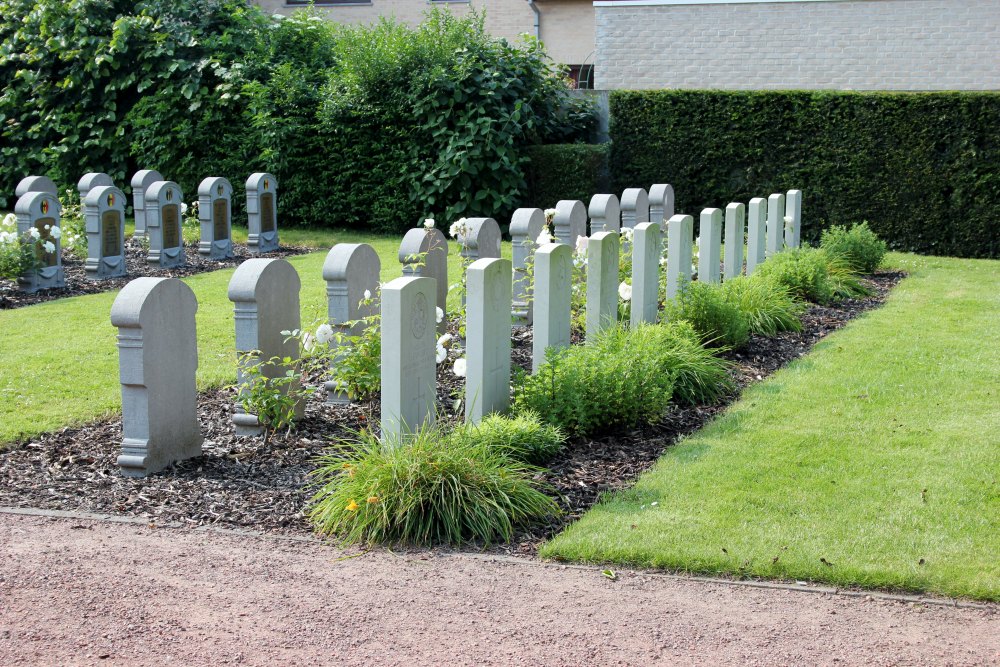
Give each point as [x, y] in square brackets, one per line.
[564, 171]
[922, 168]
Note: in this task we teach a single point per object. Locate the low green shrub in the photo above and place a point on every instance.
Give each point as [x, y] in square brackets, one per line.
[858, 245]
[523, 437]
[804, 271]
[700, 376]
[768, 306]
[430, 489]
[716, 320]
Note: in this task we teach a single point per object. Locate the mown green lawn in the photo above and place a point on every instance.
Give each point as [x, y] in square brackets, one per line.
[59, 363]
[873, 461]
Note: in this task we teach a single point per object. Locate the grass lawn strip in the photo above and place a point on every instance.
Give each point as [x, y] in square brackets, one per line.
[872, 461]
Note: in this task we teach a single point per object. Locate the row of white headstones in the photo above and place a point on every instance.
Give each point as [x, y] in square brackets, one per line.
[156, 316]
[158, 208]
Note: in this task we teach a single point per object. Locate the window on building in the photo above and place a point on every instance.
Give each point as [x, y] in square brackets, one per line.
[582, 76]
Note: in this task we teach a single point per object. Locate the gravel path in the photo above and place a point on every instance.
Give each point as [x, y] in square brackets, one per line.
[82, 592]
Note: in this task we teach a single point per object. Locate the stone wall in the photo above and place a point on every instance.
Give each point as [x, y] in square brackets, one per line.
[798, 44]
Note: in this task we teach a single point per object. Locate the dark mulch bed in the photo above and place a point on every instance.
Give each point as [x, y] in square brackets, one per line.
[239, 482]
[77, 282]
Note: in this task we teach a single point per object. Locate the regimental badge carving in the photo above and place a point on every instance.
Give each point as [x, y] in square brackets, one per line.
[170, 194]
[111, 199]
[219, 189]
[45, 207]
[418, 321]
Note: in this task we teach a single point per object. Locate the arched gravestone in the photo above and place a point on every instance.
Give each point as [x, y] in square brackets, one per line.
[41, 211]
[661, 204]
[635, 207]
[350, 270]
[215, 208]
[488, 339]
[424, 252]
[104, 213]
[265, 296]
[605, 214]
[90, 181]
[140, 182]
[163, 224]
[525, 226]
[262, 212]
[481, 239]
[157, 361]
[36, 184]
[570, 222]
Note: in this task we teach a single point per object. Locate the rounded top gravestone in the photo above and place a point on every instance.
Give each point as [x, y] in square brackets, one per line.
[605, 214]
[215, 186]
[527, 223]
[634, 207]
[90, 181]
[570, 221]
[145, 177]
[36, 184]
[481, 239]
[661, 203]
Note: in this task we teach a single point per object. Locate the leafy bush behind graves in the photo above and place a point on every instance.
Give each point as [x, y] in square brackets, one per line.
[858, 246]
[922, 168]
[565, 171]
[719, 321]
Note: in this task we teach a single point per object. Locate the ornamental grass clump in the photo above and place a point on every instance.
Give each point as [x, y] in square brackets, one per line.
[700, 376]
[429, 489]
[858, 246]
[719, 322]
[523, 437]
[768, 306]
[804, 271]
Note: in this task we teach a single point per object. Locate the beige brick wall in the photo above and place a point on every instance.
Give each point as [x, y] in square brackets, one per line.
[567, 28]
[836, 45]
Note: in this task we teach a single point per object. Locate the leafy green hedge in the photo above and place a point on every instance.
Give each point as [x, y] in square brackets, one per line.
[565, 171]
[922, 168]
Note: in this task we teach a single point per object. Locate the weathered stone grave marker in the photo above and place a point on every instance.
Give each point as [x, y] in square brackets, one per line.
[525, 226]
[736, 215]
[163, 224]
[661, 204]
[90, 181]
[140, 182]
[680, 230]
[104, 215]
[569, 222]
[793, 211]
[481, 239]
[40, 211]
[756, 233]
[775, 224]
[262, 213]
[488, 336]
[36, 184]
[605, 214]
[635, 207]
[709, 244]
[553, 293]
[602, 282]
[424, 253]
[215, 208]
[647, 243]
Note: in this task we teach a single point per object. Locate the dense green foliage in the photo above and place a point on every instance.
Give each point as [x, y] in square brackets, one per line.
[718, 321]
[924, 168]
[700, 377]
[804, 272]
[523, 437]
[858, 246]
[768, 306]
[565, 171]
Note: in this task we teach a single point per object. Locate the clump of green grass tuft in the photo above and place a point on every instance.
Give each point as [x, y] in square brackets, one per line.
[859, 246]
[523, 437]
[768, 305]
[716, 320]
[700, 376]
[844, 281]
[804, 271]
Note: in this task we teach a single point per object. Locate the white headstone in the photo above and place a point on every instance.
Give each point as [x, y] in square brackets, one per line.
[647, 242]
[142, 180]
[775, 224]
[605, 214]
[602, 282]
[661, 204]
[409, 380]
[481, 240]
[41, 211]
[756, 233]
[424, 253]
[36, 184]
[570, 222]
[793, 210]
[709, 245]
[351, 270]
[525, 226]
[262, 212]
[164, 221]
[736, 215]
[680, 230]
[157, 361]
[215, 214]
[265, 296]
[90, 181]
[104, 214]
[488, 338]
[635, 207]
[553, 295]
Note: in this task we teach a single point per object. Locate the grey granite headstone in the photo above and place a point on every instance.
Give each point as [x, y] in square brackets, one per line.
[481, 240]
[661, 204]
[265, 296]
[424, 253]
[756, 233]
[215, 213]
[553, 298]
[262, 213]
[488, 338]
[647, 243]
[709, 245]
[569, 222]
[104, 214]
[680, 230]
[635, 207]
[605, 214]
[793, 210]
[602, 282]
[525, 226]
[775, 224]
[164, 221]
[736, 216]
[41, 211]
[157, 361]
[36, 184]
[90, 181]
[142, 180]
[350, 270]
[409, 369]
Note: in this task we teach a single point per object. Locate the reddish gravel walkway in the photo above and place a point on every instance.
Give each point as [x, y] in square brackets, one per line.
[81, 592]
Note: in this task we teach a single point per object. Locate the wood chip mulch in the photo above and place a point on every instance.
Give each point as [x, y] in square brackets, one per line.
[239, 482]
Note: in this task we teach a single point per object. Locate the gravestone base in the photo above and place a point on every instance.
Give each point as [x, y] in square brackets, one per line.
[219, 250]
[246, 424]
[138, 457]
[48, 277]
[259, 244]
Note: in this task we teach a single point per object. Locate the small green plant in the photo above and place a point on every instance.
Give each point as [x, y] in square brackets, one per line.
[73, 223]
[428, 489]
[716, 320]
[271, 397]
[858, 246]
[356, 367]
[523, 437]
[844, 280]
[190, 223]
[769, 306]
[804, 271]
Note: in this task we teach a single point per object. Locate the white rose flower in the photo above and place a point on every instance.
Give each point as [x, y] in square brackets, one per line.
[663, 261]
[625, 291]
[9, 220]
[442, 353]
[49, 246]
[627, 233]
[368, 294]
[444, 340]
[324, 334]
[440, 314]
[5, 237]
[460, 367]
[458, 229]
[184, 208]
[544, 238]
[308, 342]
[56, 233]
[428, 223]
[550, 213]
[581, 244]
[35, 234]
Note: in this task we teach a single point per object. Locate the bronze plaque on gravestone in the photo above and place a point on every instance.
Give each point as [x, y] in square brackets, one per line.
[220, 213]
[46, 258]
[111, 234]
[171, 226]
[267, 212]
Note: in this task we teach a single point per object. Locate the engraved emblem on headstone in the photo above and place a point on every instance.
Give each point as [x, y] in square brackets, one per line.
[418, 322]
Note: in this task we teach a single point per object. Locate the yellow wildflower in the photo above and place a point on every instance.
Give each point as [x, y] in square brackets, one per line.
[372, 500]
[352, 506]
